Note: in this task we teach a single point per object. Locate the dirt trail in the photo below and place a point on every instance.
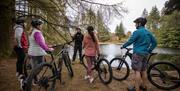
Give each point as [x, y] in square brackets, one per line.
[8, 81]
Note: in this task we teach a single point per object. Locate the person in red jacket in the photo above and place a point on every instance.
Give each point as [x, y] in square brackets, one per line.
[21, 45]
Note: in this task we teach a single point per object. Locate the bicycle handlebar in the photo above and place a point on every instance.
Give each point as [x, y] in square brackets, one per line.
[49, 52]
[128, 49]
[57, 45]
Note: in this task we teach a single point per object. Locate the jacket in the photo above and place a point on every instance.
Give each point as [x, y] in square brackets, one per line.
[143, 41]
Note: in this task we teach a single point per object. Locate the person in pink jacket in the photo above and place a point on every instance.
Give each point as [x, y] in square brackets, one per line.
[91, 49]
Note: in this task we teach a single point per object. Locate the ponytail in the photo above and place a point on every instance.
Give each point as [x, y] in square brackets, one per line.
[91, 33]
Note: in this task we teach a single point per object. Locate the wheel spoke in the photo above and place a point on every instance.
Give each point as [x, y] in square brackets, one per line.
[164, 75]
[104, 71]
[120, 69]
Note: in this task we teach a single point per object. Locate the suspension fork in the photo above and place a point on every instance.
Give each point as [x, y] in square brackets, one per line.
[120, 64]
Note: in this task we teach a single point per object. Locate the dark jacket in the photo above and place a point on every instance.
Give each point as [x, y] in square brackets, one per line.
[78, 38]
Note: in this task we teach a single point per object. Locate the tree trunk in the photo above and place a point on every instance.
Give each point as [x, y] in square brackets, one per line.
[7, 14]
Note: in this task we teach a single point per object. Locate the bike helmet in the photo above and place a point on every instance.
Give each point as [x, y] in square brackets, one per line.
[36, 22]
[141, 20]
[20, 20]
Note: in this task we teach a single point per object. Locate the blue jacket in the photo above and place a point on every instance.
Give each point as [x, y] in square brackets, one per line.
[143, 41]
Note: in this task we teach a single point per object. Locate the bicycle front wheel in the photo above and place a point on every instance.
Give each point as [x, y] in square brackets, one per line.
[42, 78]
[120, 69]
[164, 75]
[67, 62]
[104, 71]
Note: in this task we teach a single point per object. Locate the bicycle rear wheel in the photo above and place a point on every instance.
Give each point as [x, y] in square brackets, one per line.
[42, 78]
[104, 71]
[164, 75]
[67, 62]
[27, 67]
[120, 69]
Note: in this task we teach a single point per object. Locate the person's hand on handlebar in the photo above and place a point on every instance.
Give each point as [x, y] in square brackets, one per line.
[122, 47]
[51, 49]
[99, 55]
[70, 43]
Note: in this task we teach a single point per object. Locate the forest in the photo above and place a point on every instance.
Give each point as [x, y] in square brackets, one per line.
[62, 16]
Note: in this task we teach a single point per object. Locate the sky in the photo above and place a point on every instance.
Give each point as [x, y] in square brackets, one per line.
[135, 9]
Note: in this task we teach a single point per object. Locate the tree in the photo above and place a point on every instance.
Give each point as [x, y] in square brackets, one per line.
[171, 6]
[102, 29]
[169, 34]
[119, 31]
[145, 13]
[55, 15]
[7, 15]
[153, 19]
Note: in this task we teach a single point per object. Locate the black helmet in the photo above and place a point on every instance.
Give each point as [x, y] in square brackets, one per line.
[141, 20]
[36, 22]
[20, 20]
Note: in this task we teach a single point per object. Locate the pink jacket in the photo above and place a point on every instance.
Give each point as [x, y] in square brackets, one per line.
[90, 48]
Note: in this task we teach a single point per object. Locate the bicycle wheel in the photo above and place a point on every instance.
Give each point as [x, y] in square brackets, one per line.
[164, 75]
[120, 69]
[104, 71]
[84, 62]
[67, 62]
[27, 67]
[42, 78]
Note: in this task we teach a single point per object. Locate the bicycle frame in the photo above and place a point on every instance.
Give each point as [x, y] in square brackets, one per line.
[61, 54]
[130, 54]
[96, 63]
[151, 54]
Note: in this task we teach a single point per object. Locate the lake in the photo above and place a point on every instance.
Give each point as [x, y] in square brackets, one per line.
[113, 50]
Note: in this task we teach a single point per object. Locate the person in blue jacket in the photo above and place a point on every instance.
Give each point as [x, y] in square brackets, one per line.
[143, 43]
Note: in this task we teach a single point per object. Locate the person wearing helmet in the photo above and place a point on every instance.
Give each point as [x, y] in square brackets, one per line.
[20, 45]
[143, 43]
[37, 48]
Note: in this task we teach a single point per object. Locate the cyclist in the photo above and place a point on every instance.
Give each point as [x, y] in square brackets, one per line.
[21, 45]
[78, 38]
[38, 46]
[143, 44]
[91, 49]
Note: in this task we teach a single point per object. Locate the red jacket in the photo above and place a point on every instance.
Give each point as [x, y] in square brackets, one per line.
[20, 37]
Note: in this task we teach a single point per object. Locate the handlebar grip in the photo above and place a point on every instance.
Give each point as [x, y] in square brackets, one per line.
[56, 45]
[69, 42]
[49, 52]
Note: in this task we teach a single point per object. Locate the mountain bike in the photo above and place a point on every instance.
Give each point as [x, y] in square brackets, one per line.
[163, 75]
[47, 72]
[103, 68]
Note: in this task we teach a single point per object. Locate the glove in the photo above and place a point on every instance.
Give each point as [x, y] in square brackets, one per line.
[99, 55]
[122, 47]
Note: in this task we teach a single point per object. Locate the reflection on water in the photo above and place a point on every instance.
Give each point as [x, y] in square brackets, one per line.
[113, 50]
